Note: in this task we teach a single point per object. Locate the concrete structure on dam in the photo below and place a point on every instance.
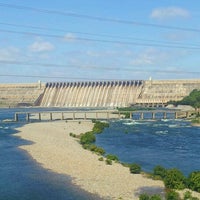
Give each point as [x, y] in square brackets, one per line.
[92, 94]
[97, 93]
[20, 94]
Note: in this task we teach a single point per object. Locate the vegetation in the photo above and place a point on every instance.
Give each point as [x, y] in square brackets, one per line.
[87, 138]
[112, 157]
[94, 148]
[135, 168]
[194, 181]
[174, 179]
[99, 126]
[172, 195]
[159, 172]
[101, 159]
[147, 197]
[196, 120]
[72, 135]
[193, 99]
[108, 162]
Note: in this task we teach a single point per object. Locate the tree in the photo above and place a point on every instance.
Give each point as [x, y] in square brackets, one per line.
[174, 179]
[159, 171]
[87, 138]
[172, 195]
[194, 181]
[193, 99]
[135, 168]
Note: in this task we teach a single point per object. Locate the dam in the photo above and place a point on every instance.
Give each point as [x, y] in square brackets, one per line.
[97, 94]
[91, 94]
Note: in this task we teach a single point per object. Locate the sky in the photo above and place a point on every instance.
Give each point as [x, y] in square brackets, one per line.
[81, 40]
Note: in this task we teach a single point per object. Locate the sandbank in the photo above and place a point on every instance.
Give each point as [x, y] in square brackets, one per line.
[55, 150]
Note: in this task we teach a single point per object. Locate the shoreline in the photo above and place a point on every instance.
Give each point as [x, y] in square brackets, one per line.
[55, 150]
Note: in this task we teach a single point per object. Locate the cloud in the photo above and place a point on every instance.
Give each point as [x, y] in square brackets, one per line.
[169, 12]
[149, 57]
[9, 53]
[41, 46]
[70, 37]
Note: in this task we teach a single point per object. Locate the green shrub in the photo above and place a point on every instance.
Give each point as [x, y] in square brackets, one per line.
[87, 138]
[112, 157]
[135, 168]
[99, 126]
[172, 195]
[159, 171]
[144, 197]
[86, 146]
[174, 179]
[100, 150]
[72, 135]
[101, 159]
[94, 148]
[108, 162]
[155, 197]
[148, 197]
[194, 181]
[187, 195]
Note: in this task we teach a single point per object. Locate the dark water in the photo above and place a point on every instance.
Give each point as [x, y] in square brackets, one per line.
[170, 143]
[22, 178]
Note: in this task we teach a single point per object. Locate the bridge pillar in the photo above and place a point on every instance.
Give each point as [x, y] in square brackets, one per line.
[51, 116]
[108, 116]
[141, 115]
[153, 115]
[131, 115]
[27, 117]
[164, 115]
[39, 116]
[16, 117]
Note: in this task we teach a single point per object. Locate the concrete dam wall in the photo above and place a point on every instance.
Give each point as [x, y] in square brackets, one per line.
[91, 94]
[20, 94]
[96, 93]
[116, 93]
[162, 91]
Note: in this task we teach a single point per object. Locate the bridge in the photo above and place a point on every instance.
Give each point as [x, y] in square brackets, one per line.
[100, 115]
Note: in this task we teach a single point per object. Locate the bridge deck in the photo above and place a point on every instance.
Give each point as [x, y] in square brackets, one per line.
[106, 115]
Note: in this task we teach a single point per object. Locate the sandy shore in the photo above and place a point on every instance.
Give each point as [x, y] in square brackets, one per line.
[54, 149]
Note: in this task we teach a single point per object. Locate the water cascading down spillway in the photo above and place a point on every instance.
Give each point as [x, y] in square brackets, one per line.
[91, 94]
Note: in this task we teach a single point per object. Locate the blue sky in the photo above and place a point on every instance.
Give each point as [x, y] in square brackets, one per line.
[99, 40]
